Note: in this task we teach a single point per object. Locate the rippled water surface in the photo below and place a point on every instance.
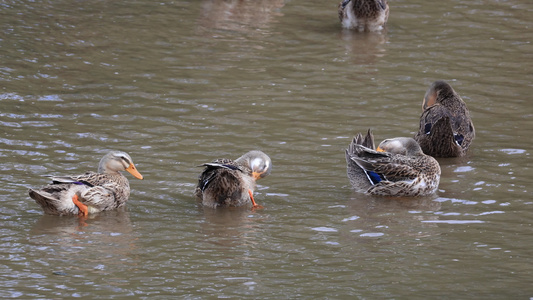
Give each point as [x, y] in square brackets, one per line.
[179, 83]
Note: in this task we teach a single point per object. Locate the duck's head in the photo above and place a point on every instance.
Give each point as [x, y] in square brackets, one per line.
[437, 92]
[258, 162]
[116, 161]
[401, 145]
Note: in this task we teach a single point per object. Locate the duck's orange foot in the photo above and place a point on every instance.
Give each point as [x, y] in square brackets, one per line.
[84, 211]
[257, 207]
[254, 205]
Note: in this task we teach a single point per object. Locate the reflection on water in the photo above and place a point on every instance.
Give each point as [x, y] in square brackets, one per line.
[98, 242]
[240, 15]
[364, 47]
[173, 82]
[229, 227]
[59, 253]
[382, 216]
[118, 220]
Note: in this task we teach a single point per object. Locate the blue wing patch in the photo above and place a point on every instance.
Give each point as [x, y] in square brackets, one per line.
[374, 177]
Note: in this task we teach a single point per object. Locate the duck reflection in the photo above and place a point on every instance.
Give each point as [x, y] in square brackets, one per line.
[364, 47]
[116, 221]
[101, 240]
[377, 204]
[376, 216]
[240, 15]
[229, 226]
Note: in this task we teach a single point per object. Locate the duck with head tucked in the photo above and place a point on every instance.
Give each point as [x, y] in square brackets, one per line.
[91, 192]
[398, 167]
[446, 129]
[230, 183]
[364, 15]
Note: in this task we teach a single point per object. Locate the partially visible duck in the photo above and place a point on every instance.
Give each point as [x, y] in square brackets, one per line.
[91, 192]
[446, 129]
[398, 167]
[230, 183]
[364, 15]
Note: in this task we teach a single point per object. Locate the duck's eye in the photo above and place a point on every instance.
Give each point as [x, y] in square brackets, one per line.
[126, 160]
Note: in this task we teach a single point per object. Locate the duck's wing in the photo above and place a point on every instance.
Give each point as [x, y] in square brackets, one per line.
[436, 135]
[344, 3]
[220, 165]
[100, 198]
[463, 127]
[390, 188]
[385, 166]
[56, 199]
[89, 178]
[359, 178]
[440, 122]
[432, 115]
[366, 141]
[438, 129]
[215, 169]
[445, 131]
[101, 190]
[383, 4]
[223, 185]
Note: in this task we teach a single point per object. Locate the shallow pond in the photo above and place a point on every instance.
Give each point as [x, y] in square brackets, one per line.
[179, 83]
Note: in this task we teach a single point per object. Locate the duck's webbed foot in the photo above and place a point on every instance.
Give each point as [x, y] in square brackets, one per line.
[254, 205]
[84, 211]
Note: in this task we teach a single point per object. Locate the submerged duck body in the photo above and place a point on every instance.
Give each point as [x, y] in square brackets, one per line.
[91, 192]
[446, 128]
[230, 183]
[364, 15]
[398, 167]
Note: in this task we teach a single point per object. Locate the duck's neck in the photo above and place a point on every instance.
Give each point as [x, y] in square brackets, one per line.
[109, 172]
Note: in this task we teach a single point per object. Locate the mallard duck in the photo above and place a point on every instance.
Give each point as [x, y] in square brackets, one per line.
[398, 167]
[446, 129]
[226, 182]
[91, 192]
[364, 15]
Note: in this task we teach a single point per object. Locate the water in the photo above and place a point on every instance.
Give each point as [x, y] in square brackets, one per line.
[176, 84]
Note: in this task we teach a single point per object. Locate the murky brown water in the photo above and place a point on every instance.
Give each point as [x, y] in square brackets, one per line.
[176, 84]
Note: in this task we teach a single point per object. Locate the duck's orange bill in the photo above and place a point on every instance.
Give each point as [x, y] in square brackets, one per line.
[133, 171]
[256, 175]
[380, 150]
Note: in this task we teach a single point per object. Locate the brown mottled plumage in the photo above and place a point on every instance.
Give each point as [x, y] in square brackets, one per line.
[446, 129]
[356, 175]
[397, 168]
[364, 15]
[94, 192]
[228, 183]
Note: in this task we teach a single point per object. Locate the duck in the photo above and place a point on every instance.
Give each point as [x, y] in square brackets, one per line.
[231, 183]
[397, 167]
[364, 15]
[446, 128]
[91, 192]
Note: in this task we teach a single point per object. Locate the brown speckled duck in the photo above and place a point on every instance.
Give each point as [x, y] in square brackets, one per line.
[398, 167]
[446, 129]
[91, 192]
[364, 15]
[230, 183]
